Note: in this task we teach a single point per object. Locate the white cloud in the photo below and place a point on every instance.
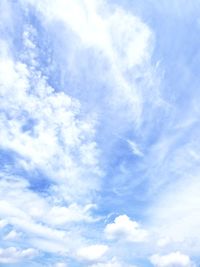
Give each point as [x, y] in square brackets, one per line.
[135, 149]
[44, 129]
[60, 215]
[112, 263]
[163, 241]
[3, 223]
[44, 209]
[173, 215]
[122, 39]
[125, 229]
[44, 224]
[13, 255]
[12, 235]
[175, 259]
[60, 264]
[92, 253]
[107, 264]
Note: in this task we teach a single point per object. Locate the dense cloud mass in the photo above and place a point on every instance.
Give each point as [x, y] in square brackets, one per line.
[99, 133]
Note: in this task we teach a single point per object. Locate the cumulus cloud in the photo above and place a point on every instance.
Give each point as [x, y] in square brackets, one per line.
[125, 229]
[41, 141]
[45, 133]
[92, 253]
[43, 127]
[175, 259]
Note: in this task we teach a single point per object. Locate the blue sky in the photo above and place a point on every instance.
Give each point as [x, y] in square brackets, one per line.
[100, 133]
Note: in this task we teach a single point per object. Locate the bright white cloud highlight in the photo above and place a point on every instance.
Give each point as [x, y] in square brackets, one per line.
[43, 128]
[92, 253]
[125, 229]
[175, 259]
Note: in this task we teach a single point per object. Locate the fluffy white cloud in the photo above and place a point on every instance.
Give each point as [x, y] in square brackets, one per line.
[43, 128]
[13, 255]
[175, 259]
[92, 253]
[45, 132]
[125, 229]
[44, 223]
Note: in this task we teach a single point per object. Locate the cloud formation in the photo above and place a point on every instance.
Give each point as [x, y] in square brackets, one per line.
[172, 259]
[13, 255]
[99, 124]
[92, 253]
[126, 230]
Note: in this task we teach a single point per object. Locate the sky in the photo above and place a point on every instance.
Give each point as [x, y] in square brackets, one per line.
[99, 133]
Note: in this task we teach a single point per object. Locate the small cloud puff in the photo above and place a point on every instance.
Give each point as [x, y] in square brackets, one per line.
[175, 259]
[125, 229]
[92, 253]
